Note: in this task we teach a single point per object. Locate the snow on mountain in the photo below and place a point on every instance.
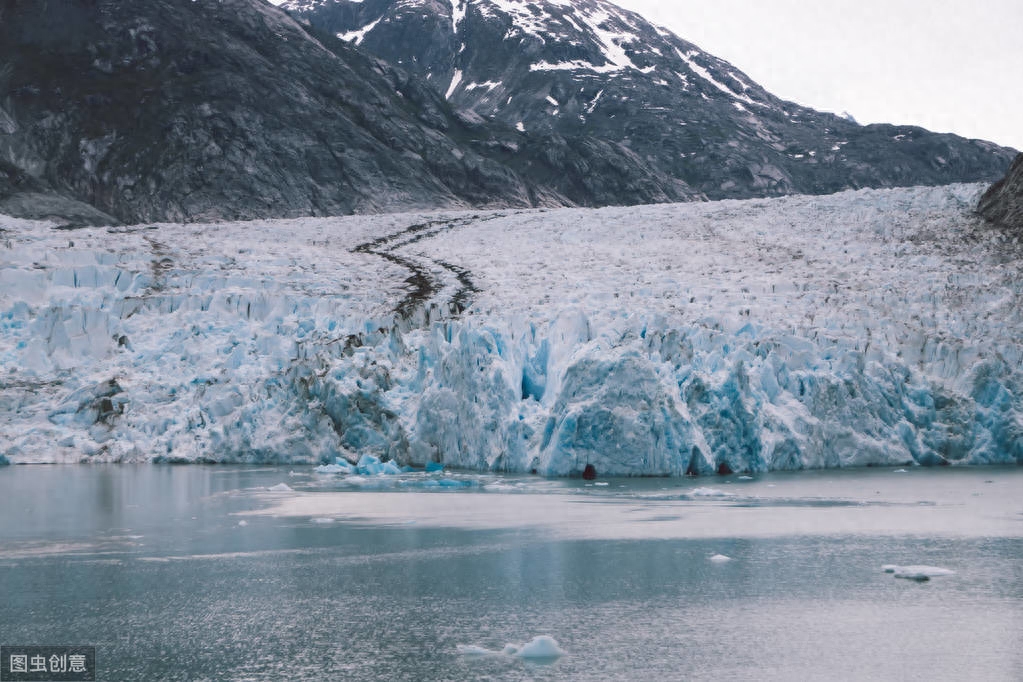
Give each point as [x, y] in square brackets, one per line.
[645, 92]
[869, 327]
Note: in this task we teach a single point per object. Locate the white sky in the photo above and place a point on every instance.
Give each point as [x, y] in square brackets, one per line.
[947, 65]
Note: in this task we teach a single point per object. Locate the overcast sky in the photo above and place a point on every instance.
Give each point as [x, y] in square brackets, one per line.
[947, 65]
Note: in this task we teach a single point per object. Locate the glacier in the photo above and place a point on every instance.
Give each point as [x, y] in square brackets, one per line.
[871, 327]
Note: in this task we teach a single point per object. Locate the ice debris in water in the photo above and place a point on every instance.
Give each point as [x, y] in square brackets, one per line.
[720, 558]
[370, 465]
[280, 488]
[323, 519]
[340, 466]
[708, 492]
[917, 572]
[541, 648]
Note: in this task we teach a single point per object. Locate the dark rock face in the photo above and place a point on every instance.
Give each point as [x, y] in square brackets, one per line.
[225, 109]
[24, 196]
[1002, 204]
[588, 70]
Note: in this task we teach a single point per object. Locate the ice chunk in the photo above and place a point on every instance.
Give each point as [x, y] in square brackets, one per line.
[369, 465]
[540, 649]
[280, 488]
[454, 483]
[720, 558]
[708, 492]
[243, 522]
[921, 573]
[434, 466]
[323, 520]
[340, 466]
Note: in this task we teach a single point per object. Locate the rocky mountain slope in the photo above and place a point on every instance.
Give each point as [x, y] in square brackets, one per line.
[1003, 202]
[118, 111]
[229, 109]
[588, 68]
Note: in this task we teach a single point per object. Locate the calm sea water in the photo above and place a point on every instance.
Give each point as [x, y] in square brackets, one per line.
[202, 573]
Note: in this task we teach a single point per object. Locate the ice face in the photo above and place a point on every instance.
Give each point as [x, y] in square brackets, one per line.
[865, 328]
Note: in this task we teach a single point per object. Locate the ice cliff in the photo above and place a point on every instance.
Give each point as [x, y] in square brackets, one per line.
[864, 328]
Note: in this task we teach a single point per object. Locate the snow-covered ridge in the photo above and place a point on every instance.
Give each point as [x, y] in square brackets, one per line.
[870, 327]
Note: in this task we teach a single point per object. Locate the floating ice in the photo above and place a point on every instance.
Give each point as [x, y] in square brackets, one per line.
[340, 466]
[707, 492]
[720, 558]
[323, 520]
[541, 648]
[920, 573]
[243, 522]
[280, 488]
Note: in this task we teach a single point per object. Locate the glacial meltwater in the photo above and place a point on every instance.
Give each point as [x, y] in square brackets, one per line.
[235, 573]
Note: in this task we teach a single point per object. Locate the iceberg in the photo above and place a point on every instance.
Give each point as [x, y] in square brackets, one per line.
[542, 648]
[876, 327]
[918, 573]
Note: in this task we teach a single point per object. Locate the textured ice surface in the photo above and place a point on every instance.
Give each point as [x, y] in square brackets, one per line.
[864, 328]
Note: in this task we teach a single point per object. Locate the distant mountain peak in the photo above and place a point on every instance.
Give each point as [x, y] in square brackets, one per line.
[592, 70]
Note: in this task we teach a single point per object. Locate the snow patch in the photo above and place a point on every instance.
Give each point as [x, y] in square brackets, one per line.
[455, 80]
[689, 59]
[458, 9]
[358, 35]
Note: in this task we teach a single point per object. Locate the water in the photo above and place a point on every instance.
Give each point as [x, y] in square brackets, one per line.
[193, 573]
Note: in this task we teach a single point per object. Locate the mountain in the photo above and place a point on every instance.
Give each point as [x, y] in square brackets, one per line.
[228, 109]
[118, 111]
[589, 69]
[1002, 204]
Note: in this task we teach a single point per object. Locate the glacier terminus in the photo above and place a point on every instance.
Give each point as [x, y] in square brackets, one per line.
[870, 327]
